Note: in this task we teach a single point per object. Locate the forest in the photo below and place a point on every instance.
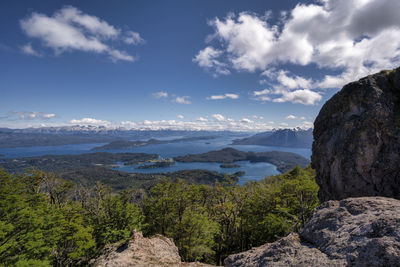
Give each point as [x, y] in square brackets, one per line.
[48, 221]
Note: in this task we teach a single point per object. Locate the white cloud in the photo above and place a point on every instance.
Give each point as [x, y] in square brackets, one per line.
[48, 115]
[291, 117]
[133, 38]
[293, 82]
[202, 119]
[90, 121]
[220, 123]
[262, 95]
[302, 118]
[258, 117]
[262, 92]
[345, 39]
[180, 117]
[218, 117]
[160, 94]
[32, 115]
[207, 58]
[246, 120]
[288, 88]
[306, 125]
[182, 100]
[28, 49]
[224, 96]
[70, 29]
[305, 97]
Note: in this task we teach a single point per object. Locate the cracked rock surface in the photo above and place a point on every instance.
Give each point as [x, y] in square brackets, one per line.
[361, 231]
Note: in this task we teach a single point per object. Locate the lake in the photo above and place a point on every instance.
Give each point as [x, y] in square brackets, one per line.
[254, 171]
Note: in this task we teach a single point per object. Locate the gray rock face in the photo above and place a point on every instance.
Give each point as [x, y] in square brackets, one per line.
[352, 232]
[356, 149]
[142, 252]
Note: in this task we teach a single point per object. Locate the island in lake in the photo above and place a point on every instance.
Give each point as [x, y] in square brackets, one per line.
[157, 164]
[126, 144]
[89, 169]
[229, 165]
[284, 161]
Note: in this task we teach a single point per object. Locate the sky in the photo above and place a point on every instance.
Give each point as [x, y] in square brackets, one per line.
[187, 64]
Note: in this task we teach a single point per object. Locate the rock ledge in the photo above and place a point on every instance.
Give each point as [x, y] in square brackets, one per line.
[352, 232]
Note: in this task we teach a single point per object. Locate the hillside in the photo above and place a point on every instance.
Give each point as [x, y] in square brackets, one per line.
[88, 169]
[284, 161]
[283, 137]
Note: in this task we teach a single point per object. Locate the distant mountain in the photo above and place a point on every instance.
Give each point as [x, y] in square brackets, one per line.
[284, 137]
[86, 134]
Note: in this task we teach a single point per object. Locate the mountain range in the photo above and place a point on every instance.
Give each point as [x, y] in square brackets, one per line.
[284, 137]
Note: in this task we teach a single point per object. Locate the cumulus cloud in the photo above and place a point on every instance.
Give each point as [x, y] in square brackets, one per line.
[207, 58]
[180, 117]
[90, 121]
[246, 120]
[291, 117]
[32, 115]
[218, 117]
[70, 29]
[305, 97]
[160, 94]
[202, 119]
[262, 92]
[182, 100]
[288, 88]
[28, 49]
[224, 96]
[346, 39]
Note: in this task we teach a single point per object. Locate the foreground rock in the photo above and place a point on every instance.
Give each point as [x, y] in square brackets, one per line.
[356, 149]
[140, 251]
[351, 232]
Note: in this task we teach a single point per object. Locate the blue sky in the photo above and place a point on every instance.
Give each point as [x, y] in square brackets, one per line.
[235, 65]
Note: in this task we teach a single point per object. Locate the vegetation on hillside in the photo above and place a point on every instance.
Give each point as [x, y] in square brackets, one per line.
[284, 161]
[45, 220]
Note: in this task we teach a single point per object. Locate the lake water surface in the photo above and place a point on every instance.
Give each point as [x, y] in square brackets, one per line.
[254, 171]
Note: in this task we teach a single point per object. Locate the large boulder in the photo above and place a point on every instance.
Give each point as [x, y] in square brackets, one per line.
[352, 232]
[142, 252]
[356, 149]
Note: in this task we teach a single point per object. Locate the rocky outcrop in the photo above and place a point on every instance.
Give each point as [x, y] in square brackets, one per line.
[352, 232]
[356, 149]
[140, 251]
